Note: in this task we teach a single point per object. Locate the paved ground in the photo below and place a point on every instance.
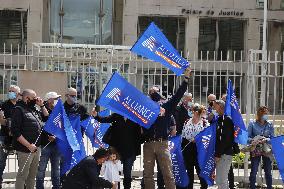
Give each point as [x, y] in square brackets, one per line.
[9, 184]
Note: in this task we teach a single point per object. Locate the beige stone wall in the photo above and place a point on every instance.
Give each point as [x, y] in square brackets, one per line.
[251, 13]
[43, 82]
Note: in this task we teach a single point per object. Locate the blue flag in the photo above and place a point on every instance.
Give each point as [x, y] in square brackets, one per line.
[154, 45]
[59, 125]
[205, 143]
[232, 109]
[179, 170]
[124, 99]
[95, 130]
[278, 151]
[70, 157]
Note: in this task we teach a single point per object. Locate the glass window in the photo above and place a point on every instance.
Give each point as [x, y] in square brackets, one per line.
[259, 3]
[173, 28]
[207, 37]
[282, 4]
[13, 30]
[85, 21]
[231, 32]
[222, 36]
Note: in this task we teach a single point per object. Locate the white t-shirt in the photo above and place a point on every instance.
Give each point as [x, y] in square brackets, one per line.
[190, 130]
[110, 170]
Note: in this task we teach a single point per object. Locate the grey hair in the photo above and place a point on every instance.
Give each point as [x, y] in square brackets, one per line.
[186, 94]
[220, 103]
[71, 89]
[15, 87]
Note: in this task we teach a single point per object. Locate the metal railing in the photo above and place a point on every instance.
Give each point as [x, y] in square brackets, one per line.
[88, 68]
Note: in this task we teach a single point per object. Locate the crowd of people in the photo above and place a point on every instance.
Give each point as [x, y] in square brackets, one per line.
[23, 115]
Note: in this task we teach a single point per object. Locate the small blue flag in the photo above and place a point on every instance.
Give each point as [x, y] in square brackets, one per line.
[123, 98]
[232, 109]
[205, 143]
[278, 151]
[95, 130]
[179, 170]
[59, 125]
[70, 157]
[154, 45]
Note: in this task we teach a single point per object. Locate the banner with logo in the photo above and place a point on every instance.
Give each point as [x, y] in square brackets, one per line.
[58, 124]
[179, 170]
[278, 152]
[123, 98]
[95, 130]
[154, 45]
[205, 143]
[232, 109]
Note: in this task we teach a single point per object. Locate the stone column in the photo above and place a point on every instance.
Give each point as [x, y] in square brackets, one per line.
[191, 37]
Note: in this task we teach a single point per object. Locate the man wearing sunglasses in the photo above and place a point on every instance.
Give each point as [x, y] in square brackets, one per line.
[72, 107]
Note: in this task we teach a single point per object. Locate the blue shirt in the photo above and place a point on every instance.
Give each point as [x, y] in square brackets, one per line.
[255, 128]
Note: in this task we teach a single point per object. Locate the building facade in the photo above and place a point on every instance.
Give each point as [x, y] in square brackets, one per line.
[210, 30]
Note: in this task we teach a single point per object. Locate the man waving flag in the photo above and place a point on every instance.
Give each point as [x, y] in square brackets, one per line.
[154, 45]
[232, 109]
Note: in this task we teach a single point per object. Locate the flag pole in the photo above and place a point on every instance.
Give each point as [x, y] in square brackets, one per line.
[31, 152]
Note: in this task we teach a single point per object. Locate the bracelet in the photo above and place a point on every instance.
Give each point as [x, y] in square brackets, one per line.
[41, 106]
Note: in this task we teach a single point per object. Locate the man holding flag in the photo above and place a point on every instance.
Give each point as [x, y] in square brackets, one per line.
[156, 140]
[224, 145]
[68, 136]
[26, 130]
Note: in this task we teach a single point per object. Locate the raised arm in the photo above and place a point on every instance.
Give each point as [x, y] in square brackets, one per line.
[171, 104]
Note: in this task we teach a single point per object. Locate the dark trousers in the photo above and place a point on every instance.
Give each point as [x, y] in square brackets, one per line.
[267, 170]
[127, 168]
[190, 160]
[231, 178]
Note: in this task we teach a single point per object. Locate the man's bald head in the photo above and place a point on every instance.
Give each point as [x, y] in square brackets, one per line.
[211, 97]
[28, 94]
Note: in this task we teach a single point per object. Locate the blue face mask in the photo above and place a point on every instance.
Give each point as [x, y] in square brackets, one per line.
[215, 113]
[190, 104]
[190, 114]
[12, 95]
[264, 117]
[73, 99]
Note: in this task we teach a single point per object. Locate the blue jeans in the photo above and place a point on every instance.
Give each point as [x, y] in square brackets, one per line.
[127, 168]
[49, 152]
[3, 158]
[267, 169]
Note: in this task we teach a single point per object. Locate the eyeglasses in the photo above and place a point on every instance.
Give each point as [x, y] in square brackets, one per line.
[72, 96]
